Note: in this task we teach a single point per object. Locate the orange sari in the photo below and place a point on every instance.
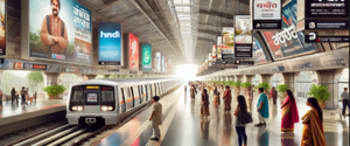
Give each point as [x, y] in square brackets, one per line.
[313, 134]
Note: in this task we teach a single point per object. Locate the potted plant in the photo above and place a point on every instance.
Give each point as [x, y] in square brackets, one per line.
[54, 91]
[321, 93]
[264, 85]
[245, 87]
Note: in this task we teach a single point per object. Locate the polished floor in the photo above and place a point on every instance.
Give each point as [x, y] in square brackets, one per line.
[9, 109]
[183, 126]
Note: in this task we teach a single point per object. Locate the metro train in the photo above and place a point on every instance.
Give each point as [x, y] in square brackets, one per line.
[109, 102]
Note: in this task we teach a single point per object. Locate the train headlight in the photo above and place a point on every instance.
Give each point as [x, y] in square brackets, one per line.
[107, 108]
[77, 108]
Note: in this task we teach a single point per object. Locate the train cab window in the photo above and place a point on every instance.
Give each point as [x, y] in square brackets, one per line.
[107, 95]
[77, 97]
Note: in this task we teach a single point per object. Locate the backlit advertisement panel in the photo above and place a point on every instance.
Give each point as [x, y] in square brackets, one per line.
[3, 27]
[60, 30]
[134, 49]
[259, 55]
[267, 14]
[146, 57]
[163, 64]
[287, 42]
[243, 36]
[109, 44]
[157, 62]
[227, 49]
[219, 47]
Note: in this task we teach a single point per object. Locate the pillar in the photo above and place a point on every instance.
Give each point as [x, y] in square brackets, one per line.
[266, 77]
[248, 78]
[330, 79]
[51, 78]
[289, 80]
[90, 77]
[239, 78]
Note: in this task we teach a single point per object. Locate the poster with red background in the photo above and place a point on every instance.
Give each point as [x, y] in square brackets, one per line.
[133, 52]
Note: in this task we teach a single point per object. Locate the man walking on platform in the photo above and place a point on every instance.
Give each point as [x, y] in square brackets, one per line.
[156, 118]
[346, 100]
[273, 94]
[263, 108]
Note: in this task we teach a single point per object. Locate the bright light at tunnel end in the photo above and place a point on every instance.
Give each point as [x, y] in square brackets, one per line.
[187, 72]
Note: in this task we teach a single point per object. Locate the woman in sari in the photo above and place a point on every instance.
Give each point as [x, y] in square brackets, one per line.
[313, 134]
[205, 104]
[289, 113]
[216, 100]
[227, 99]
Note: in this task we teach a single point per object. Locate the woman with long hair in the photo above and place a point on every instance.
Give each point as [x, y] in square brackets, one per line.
[313, 134]
[290, 113]
[227, 99]
[216, 98]
[205, 104]
[240, 127]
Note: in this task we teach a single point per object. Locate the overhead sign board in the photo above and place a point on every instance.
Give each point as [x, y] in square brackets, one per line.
[243, 36]
[58, 30]
[157, 62]
[146, 57]
[327, 14]
[3, 23]
[267, 14]
[109, 44]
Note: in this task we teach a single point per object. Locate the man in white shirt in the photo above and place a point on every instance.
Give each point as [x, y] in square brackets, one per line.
[346, 100]
[156, 118]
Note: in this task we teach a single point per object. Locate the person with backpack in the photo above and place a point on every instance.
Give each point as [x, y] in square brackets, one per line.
[243, 117]
[54, 33]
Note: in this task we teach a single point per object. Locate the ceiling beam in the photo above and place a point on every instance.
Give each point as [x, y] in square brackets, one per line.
[216, 13]
[206, 39]
[211, 32]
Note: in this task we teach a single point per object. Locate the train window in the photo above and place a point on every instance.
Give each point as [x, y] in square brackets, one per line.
[147, 94]
[140, 93]
[107, 95]
[77, 97]
[122, 101]
[150, 91]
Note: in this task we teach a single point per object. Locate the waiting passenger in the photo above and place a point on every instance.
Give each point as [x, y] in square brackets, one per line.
[242, 118]
[193, 92]
[290, 114]
[13, 95]
[313, 134]
[346, 100]
[205, 104]
[263, 108]
[273, 95]
[250, 97]
[156, 118]
[23, 95]
[216, 100]
[227, 99]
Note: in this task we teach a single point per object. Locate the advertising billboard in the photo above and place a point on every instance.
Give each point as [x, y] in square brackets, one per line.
[109, 44]
[133, 52]
[259, 55]
[288, 42]
[163, 64]
[3, 27]
[146, 57]
[60, 31]
[243, 36]
[227, 49]
[267, 14]
[157, 62]
[219, 44]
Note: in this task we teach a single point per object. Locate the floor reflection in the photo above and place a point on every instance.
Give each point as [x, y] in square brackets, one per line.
[263, 136]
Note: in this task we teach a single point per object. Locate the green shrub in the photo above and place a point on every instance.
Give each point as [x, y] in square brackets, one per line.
[246, 84]
[320, 92]
[236, 84]
[54, 90]
[282, 88]
[264, 85]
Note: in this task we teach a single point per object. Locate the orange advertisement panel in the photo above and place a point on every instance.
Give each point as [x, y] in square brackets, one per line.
[133, 52]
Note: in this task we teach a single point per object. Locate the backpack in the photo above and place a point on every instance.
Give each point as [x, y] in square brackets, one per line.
[245, 117]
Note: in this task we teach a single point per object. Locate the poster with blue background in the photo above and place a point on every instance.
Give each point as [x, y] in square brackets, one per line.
[109, 46]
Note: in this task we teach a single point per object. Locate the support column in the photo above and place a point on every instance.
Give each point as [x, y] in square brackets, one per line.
[51, 78]
[330, 79]
[89, 77]
[266, 77]
[249, 78]
[289, 79]
[239, 78]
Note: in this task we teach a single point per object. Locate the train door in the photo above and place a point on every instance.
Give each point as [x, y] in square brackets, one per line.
[150, 91]
[141, 93]
[136, 95]
[146, 92]
[154, 87]
[129, 101]
[122, 105]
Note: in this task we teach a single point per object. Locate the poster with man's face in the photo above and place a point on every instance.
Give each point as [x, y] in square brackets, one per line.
[60, 30]
[2, 27]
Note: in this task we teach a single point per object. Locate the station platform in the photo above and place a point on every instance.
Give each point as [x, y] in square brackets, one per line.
[11, 114]
[183, 126]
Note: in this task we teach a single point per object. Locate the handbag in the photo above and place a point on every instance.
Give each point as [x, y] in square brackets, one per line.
[245, 117]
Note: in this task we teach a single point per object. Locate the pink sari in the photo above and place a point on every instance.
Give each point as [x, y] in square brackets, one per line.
[289, 115]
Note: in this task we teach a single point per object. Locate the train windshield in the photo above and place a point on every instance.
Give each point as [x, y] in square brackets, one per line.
[92, 95]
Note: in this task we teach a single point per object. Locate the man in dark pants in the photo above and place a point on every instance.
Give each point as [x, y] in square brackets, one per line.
[23, 95]
[346, 100]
